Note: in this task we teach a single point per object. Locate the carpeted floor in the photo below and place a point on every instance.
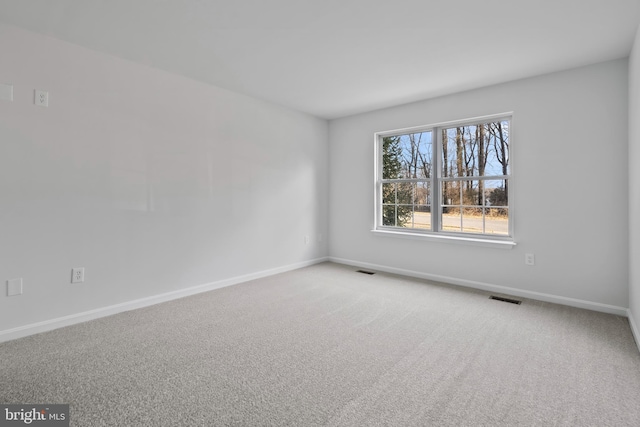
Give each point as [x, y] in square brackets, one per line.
[327, 346]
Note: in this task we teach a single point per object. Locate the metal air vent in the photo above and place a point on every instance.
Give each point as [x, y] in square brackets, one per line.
[365, 272]
[512, 301]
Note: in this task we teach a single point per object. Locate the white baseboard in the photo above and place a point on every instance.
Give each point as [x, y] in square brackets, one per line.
[48, 325]
[634, 328]
[589, 305]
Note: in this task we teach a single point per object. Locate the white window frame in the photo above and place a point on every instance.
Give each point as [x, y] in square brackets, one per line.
[436, 234]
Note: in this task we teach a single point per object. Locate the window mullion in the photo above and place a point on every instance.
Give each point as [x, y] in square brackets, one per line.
[435, 182]
[395, 204]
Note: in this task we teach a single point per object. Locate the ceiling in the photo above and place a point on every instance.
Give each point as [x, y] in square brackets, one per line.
[333, 58]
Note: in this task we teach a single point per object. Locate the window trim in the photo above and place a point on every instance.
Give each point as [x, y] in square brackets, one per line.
[436, 234]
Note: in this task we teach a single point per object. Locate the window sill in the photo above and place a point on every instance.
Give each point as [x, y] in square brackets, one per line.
[460, 240]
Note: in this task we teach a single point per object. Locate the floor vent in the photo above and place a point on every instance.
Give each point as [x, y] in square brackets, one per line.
[512, 301]
[365, 272]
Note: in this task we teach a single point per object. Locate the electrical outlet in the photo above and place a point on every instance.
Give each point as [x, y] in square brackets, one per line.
[529, 259]
[306, 240]
[41, 98]
[77, 275]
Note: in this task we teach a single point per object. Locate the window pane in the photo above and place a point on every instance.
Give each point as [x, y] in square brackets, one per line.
[451, 219]
[389, 215]
[451, 193]
[391, 158]
[389, 193]
[422, 193]
[407, 156]
[476, 150]
[406, 204]
[498, 148]
[422, 217]
[416, 154]
[496, 221]
[404, 193]
[451, 142]
[472, 220]
[397, 204]
[471, 193]
[404, 217]
[496, 193]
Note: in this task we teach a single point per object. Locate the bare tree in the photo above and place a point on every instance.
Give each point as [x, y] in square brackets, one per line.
[482, 160]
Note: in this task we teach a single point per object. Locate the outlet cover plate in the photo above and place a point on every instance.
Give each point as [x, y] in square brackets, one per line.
[77, 275]
[41, 98]
[530, 259]
[14, 287]
[6, 92]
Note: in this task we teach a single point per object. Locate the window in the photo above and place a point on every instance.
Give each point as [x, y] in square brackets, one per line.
[451, 179]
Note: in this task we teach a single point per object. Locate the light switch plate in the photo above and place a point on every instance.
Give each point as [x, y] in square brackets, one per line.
[14, 287]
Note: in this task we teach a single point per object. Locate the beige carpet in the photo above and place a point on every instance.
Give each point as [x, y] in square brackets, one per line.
[327, 346]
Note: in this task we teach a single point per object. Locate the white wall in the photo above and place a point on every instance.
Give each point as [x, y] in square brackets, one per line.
[634, 187]
[152, 182]
[569, 152]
